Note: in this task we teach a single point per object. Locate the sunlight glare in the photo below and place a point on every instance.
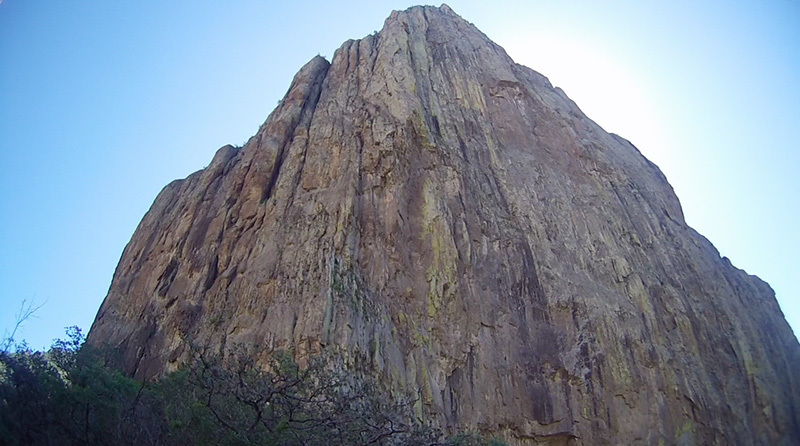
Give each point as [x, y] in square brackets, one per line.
[603, 86]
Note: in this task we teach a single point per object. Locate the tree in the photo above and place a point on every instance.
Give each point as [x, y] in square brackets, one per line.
[27, 310]
[285, 404]
[74, 395]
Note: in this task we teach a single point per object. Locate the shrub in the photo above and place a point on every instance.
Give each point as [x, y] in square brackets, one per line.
[73, 395]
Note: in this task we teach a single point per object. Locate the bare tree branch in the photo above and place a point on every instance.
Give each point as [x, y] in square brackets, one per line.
[27, 310]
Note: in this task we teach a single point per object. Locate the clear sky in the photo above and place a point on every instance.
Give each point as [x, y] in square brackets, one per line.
[103, 103]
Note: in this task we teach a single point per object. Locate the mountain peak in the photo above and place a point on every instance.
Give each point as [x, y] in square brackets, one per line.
[445, 220]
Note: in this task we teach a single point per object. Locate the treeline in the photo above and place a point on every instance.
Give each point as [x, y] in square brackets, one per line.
[74, 394]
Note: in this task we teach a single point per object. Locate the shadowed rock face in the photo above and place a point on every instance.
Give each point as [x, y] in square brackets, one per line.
[453, 225]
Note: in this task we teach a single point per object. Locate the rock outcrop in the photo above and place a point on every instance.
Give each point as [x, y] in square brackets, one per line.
[452, 224]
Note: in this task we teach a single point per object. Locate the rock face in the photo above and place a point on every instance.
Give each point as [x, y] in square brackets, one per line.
[452, 224]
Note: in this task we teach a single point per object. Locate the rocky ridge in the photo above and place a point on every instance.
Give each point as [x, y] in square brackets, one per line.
[449, 222]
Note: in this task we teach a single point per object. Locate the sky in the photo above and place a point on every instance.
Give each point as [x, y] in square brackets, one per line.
[104, 103]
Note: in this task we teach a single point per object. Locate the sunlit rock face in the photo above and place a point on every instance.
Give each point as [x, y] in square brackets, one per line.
[452, 225]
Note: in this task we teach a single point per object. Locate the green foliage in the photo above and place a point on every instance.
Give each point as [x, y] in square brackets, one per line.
[73, 395]
[64, 396]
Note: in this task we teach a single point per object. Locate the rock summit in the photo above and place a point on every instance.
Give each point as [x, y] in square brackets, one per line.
[448, 222]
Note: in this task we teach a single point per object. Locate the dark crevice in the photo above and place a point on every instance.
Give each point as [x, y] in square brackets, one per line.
[167, 277]
[213, 271]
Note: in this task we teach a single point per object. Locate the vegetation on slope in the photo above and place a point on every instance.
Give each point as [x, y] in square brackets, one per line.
[74, 394]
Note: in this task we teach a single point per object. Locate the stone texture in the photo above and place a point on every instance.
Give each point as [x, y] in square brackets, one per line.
[455, 226]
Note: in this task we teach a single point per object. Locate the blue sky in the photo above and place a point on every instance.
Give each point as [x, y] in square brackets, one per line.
[104, 103]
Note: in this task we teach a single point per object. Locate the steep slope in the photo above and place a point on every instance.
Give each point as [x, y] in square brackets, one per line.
[455, 226]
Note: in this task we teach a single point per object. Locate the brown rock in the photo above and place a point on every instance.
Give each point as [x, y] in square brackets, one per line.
[457, 227]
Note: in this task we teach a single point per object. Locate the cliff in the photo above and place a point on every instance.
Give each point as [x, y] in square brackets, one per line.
[453, 225]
